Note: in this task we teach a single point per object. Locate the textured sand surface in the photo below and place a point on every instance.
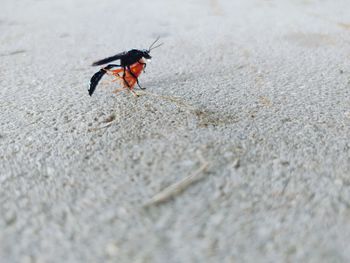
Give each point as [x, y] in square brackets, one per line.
[258, 89]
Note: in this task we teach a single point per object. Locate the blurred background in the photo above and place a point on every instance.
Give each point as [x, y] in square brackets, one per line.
[251, 97]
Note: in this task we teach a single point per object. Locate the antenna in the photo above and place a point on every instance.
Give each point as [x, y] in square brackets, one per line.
[155, 41]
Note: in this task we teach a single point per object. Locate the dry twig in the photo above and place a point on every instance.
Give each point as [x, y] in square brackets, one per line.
[179, 186]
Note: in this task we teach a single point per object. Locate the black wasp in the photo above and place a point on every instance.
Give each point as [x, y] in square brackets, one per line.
[127, 58]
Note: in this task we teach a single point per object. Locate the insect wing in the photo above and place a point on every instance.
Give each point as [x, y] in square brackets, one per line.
[109, 59]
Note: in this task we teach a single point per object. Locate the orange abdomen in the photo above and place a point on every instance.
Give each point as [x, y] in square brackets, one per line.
[136, 70]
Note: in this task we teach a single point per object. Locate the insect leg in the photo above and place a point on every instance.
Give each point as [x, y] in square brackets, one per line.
[109, 66]
[144, 66]
[134, 93]
[118, 90]
[124, 74]
[137, 80]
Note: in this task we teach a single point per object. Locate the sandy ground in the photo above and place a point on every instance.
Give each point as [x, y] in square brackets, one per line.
[258, 90]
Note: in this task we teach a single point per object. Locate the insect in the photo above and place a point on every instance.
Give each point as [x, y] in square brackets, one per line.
[127, 59]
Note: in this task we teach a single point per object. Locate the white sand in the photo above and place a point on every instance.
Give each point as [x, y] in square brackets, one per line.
[258, 89]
